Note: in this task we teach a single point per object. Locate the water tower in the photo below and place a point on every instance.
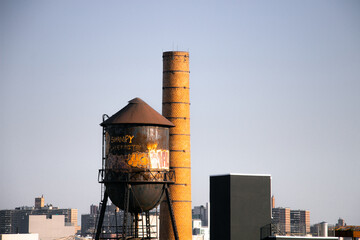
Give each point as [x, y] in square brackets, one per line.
[135, 165]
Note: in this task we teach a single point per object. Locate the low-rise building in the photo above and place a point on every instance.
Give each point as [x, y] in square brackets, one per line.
[113, 222]
[49, 226]
[17, 220]
[199, 232]
[25, 236]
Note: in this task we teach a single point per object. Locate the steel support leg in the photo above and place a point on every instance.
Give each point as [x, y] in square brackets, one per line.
[126, 211]
[147, 222]
[168, 197]
[101, 218]
[136, 232]
[116, 227]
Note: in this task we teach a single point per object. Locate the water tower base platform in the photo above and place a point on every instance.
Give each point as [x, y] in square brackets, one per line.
[130, 223]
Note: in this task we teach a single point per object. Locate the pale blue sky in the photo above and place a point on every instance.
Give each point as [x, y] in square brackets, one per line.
[275, 89]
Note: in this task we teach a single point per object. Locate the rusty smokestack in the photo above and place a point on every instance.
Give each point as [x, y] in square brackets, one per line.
[176, 108]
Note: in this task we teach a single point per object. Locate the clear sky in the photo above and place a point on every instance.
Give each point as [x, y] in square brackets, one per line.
[275, 89]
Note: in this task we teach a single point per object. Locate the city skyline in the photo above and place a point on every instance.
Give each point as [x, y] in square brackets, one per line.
[274, 89]
[96, 206]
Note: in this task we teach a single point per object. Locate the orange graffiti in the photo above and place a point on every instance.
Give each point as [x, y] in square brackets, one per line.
[152, 146]
[137, 159]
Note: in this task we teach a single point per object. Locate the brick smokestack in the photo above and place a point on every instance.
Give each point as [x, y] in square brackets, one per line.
[176, 108]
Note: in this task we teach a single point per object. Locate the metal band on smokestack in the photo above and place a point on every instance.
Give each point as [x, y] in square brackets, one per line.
[176, 108]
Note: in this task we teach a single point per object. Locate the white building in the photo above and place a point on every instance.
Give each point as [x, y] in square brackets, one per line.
[201, 222]
[199, 232]
[25, 236]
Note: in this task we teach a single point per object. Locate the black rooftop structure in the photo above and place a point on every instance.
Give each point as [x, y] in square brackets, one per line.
[239, 206]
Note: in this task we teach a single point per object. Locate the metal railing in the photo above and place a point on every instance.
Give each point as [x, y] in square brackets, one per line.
[148, 177]
[278, 229]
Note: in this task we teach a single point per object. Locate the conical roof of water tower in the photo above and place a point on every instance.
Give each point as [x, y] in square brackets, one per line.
[137, 112]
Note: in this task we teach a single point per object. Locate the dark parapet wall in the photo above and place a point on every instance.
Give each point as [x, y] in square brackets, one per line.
[220, 207]
[240, 206]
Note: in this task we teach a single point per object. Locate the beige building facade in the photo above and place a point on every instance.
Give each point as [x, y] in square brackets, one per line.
[50, 227]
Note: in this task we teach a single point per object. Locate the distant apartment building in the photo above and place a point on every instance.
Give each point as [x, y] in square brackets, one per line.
[340, 223]
[113, 222]
[17, 220]
[89, 221]
[39, 202]
[281, 220]
[290, 222]
[200, 222]
[113, 219]
[202, 213]
[94, 209]
[300, 222]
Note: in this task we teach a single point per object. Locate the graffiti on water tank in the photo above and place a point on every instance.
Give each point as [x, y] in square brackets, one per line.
[116, 162]
[159, 159]
[122, 139]
[154, 159]
[138, 159]
[127, 151]
[133, 147]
